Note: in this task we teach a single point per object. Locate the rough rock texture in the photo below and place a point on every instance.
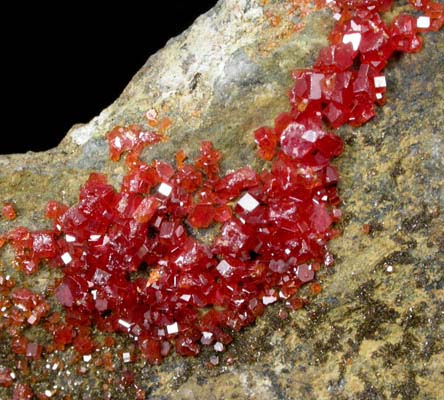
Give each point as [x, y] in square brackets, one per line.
[376, 331]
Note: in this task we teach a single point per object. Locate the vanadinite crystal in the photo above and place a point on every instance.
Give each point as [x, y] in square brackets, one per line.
[274, 226]
[8, 212]
[130, 259]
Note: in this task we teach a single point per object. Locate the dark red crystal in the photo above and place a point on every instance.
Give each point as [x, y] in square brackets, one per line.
[6, 379]
[22, 392]
[132, 138]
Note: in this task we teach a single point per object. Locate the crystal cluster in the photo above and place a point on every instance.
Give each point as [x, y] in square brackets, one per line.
[131, 262]
[347, 80]
[131, 265]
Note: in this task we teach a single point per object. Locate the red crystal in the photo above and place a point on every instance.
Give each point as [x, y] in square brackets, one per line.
[232, 184]
[362, 111]
[370, 5]
[434, 11]
[403, 25]
[64, 295]
[63, 335]
[335, 58]
[298, 140]
[6, 379]
[363, 83]
[8, 212]
[336, 114]
[33, 350]
[140, 179]
[330, 145]
[201, 216]
[22, 392]
[222, 213]
[151, 349]
[84, 345]
[188, 178]
[32, 248]
[305, 273]
[19, 344]
[55, 209]
[208, 161]
[146, 209]
[266, 140]
[403, 34]
[132, 138]
[186, 345]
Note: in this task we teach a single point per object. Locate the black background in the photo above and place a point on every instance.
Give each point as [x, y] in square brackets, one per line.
[63, 66]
